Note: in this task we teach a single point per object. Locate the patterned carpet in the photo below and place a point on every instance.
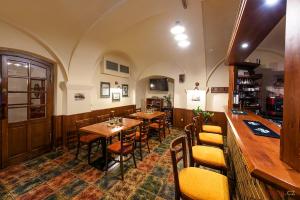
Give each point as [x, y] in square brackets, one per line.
[58, 175]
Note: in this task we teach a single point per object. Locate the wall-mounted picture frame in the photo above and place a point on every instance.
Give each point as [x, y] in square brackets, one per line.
[104, 89]
[116, 96]
[125, 90]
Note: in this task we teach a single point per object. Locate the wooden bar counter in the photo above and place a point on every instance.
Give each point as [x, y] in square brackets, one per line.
[259, 172]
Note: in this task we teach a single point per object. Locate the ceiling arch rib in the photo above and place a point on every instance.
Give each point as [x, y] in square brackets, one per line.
[41, 42]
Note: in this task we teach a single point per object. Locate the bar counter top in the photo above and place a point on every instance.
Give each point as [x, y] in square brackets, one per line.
[262, 154]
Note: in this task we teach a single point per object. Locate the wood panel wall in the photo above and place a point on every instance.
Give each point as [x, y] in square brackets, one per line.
[290, 138]
[182, 117]
[64, 129]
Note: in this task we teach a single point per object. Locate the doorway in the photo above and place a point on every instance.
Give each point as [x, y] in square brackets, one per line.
[27, 95]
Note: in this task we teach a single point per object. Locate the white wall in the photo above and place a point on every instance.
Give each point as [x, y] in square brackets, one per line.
[219, 78]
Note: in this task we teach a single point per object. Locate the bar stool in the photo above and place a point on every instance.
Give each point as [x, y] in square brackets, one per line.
[207, 156]
[192, 182]
[211, 139]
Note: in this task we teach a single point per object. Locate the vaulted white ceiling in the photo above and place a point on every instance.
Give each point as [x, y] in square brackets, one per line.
[79, 32]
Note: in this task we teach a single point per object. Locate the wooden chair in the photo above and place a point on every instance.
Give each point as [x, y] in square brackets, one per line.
[85, 138]
[207, 156]
[204, 138]
[159, 126]
[103, 118]
[142, 137]
[209, 128]
[192, 182]
[123, 148]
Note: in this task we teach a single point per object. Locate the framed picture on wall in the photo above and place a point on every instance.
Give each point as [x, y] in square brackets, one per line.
[116, 96]
[124, 90]
[104, 89]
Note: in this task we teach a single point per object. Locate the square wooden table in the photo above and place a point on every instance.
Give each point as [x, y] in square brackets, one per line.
[106, 131]
[147, 116]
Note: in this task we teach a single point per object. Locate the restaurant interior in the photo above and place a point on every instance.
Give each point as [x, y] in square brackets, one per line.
[150, 99]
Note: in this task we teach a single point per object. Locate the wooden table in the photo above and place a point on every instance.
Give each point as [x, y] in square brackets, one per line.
[147, 116]
[105, 131]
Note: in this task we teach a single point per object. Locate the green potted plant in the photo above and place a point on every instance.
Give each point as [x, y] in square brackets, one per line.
[167, 99]
[205, 114]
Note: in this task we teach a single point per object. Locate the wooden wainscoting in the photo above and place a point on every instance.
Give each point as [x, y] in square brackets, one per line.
[65, 129]
[182, 117]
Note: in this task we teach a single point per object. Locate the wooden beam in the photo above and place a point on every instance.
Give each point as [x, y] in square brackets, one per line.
[254, 22]
[290, 138]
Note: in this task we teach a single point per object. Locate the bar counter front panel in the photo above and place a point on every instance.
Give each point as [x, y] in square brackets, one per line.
[255, 160]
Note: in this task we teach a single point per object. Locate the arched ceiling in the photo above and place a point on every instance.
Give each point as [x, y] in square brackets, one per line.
[80, 31]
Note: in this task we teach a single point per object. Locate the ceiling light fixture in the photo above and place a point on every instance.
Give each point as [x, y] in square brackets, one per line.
[177, 29]
[184, 43]
[17, 64]
[271, 2]
[245, 45]
[180, 37]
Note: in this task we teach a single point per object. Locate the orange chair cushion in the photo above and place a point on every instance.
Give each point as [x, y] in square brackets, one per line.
[116, 148]
[88, 138]
[154, 125]
[200, 184]
[138, 135]
[211, 156]
[211, 138]
[212, 129]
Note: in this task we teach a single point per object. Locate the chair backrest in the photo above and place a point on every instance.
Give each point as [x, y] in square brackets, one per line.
[178, 152]
[197, 127]
[103, 118]
[128, 138]
[82, 123]
[162, 121]
[190, 133]
[144, 129]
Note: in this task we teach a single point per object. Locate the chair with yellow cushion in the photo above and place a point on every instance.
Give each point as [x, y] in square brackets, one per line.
[210, 128]
[207, 156]
[205, 138]
[195, 183]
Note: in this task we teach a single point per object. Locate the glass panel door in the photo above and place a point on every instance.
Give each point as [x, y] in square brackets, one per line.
[17, 94]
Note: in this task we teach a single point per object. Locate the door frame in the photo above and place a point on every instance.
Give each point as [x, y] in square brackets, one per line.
[4, 121]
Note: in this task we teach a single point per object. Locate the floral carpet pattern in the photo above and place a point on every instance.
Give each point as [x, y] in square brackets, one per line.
[58, 175]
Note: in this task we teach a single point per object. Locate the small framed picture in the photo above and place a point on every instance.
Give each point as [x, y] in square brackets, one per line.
[116, 96]
[124, 90]
[104, 89]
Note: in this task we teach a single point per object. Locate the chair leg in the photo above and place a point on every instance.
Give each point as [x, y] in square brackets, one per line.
[159, 135]
[89, 152]
[106, 160]
[78, 147]
[141, 153]
[98, 145]
[148, 146]
[133, 156]
[121, 166]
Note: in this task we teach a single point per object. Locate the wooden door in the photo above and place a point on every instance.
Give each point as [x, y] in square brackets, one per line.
[28, 92]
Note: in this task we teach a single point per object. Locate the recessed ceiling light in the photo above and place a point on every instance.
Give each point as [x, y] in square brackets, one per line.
[245, 45]
[271, 2]
[180, 37]
[184, 43]
[17, 64]
[177, 29]
[8, 63]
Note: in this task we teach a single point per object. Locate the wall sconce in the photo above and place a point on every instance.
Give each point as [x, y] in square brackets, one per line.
[196, 86]
[117, 85]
